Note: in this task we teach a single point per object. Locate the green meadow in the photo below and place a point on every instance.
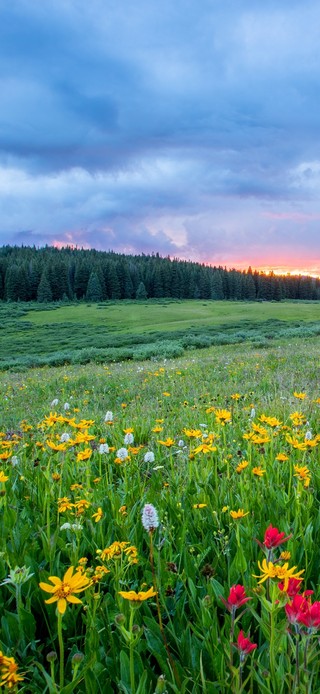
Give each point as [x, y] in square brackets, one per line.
[222, 445]
[160, 517]
[117, 331]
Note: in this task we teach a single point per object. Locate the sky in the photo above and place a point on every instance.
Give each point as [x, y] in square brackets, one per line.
[191, 129]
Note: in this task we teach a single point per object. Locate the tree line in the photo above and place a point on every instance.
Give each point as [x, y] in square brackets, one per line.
[67, 274]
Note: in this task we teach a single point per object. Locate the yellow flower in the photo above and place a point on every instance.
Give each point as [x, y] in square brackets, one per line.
[238, 514]
[199, 505]
[300, 396]
[157, 429]
[282, 457]
[224, 509]
[258, 471]
[268, 570]
[56, 446]
[204, 448]
[193, 433]
[9, 672]
[84, 455]
[168, 442]
[242, 466]
[3, 477]
[81, 506]
[271, 421]
[98, 515]
[282, 573]
[138, 597]
[129, 430]
[63, 590]
[65, 504]
[167, 395]
[222, 416]
[303, 474]
[285, 555]
[123, 510]
[235, 396]
[295, 443]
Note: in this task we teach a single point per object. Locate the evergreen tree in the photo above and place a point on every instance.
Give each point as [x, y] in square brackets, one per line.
[216, 286]
[94, 289]
[141, 293]
[44, 293]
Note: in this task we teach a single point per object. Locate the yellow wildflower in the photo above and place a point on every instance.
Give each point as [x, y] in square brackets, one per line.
[299, 396]
[138, 597]
[3, 477]
[242, 466]
[168, 442]
[282, 457]
[63, 590]
[98, 515]
[200, 505]
[84, 455]
[258, 471]
[238, 514]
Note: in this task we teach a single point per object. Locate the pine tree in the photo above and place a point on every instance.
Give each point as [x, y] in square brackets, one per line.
[141, 293]
[94, 289]
[44, 293]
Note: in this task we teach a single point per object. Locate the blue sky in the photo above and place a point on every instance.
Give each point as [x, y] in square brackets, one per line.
[188, 129]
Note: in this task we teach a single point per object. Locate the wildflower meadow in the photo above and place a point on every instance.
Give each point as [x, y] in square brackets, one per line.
[160, 524]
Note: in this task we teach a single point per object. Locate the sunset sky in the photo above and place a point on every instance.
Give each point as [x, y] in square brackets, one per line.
[186, 128]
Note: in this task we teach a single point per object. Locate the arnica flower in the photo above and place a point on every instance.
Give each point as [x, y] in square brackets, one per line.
[258, 471]
[238, 514]
[236, 598]
[138, 597]
[242, 466]
[63, 590]
[244, 644]
[282, 457]
[199, 505]
[299, 396]
[98, 515]
[270, 570]
[150, 518]
[9, 672]
[274, 538]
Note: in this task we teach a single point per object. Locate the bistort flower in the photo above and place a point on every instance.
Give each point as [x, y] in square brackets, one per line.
[150, 518]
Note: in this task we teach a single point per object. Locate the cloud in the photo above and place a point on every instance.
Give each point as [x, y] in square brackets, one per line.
[185, 129]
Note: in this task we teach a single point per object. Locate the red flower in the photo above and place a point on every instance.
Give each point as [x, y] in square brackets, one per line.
[244, 644]
[236, 598]
[294, 586]
[295, 609]
[310, 614]
[273, 538]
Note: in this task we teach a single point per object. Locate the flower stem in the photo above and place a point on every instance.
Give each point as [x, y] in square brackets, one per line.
[61, 649]
[131, 650]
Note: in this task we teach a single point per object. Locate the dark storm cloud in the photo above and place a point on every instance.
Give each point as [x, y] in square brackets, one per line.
[174, 127]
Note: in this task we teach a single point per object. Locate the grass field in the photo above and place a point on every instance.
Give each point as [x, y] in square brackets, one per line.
[223, 443]
[140, 317]
[133, 330]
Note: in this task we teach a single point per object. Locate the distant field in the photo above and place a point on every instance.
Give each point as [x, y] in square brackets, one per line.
[117, 331]
[135, 318]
